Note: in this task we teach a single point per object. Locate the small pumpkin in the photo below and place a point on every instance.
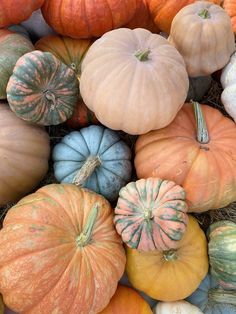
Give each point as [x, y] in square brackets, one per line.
[230, 8]
[131, 84]
[12, 47]
[151, 214]
[127, 300]
[94, 157]
[71, 232]
[42, 89]
[203, 20]
[222, 253]
[198, 151]
[181, 307]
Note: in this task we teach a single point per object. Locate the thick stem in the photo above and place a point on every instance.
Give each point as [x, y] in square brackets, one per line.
[50, 96]
[142, 55]
[85, 236]
[202, 132]
[205, 14]
[170, 255]
[222, 296]
[86, 170]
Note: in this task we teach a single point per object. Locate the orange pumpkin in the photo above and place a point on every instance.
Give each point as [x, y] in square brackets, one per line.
[60, 252]
[127, 300]
[230, 8]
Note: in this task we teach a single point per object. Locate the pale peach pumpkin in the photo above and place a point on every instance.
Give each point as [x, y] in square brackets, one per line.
[230, 8]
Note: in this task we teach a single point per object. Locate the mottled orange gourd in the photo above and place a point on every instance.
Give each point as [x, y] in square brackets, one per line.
[230, 8]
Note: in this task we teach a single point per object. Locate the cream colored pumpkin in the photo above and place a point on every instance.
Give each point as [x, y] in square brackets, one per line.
[180, 307]
[133, 80]
[203, 34]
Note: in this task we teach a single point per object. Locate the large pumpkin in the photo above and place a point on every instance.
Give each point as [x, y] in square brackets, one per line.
[24, 156]
[94, 157]
[42, 89]
[86, 19]
[132, 86]
[198, 151]
[151, 214]
[230, 8]
[60, 252]
[12, 47]
[174, 274]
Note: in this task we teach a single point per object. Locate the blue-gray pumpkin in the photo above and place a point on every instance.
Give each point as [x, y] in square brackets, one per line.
[94, 157]
[212, 299]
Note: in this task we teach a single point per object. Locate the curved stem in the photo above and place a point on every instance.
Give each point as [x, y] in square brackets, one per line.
[170, 255]
[205, 14]
[50, 96]
[86, 170]
[222, 296]
[202, 132]
[142, 55]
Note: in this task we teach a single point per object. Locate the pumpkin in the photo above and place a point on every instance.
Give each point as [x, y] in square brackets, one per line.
[71, 232]
[170, 275]
[94, 157]
[24, 156]
[12, 47]
[203, 20]
[14, 12]
[230, 8]
[42, 89]
[198, 87]
[222, 253]
[212, 299]
[151, 214]
[197, 151]
[19, 29]
[164, 11]
[181, 307]
[70, 51]
[132, 86]
[83, 19]
[127, 300]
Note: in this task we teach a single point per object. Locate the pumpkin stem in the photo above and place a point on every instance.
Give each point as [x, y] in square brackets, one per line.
[142, 55]
[170, 255]
[51, 97]
[202, 132]
[85, 236]
[205, 14]
[222, 296]
[86, 170]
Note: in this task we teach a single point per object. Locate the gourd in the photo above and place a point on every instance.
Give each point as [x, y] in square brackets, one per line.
[203, 20]
[131, 84]
[24, 154]
[181, 307]
[59, 251]
[197, 151]
[19, 29]
[42, 89]
[151, 214]
[230, 8]
[94, 157]
[174, 274]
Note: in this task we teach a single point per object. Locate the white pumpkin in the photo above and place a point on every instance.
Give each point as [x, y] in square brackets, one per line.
[178, 307]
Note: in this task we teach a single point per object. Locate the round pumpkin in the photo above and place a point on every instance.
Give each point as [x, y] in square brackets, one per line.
[181, 307]
[198, 151]
[132, 86]
[70, 51]
[174, 274]
[203, 20]
[59, 251]
[222, 253]
[151, 214]
[42, 89]
[127, 300]
[230, 8]
[24, 156]
[94, 157]
[86, 19]
[12, 47]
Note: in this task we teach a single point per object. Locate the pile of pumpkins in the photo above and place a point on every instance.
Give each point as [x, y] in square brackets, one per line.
[114, 233]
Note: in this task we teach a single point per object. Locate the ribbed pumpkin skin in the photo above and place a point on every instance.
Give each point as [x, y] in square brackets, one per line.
[42, 89]
[230, 8]
[170, 275]
[207, 172]
[151, 214]
[222, 253]
[14, 12]
[68, 50]
[24, 154]
[86, 19]
[42, 259]
[12, 47]
[113, 170]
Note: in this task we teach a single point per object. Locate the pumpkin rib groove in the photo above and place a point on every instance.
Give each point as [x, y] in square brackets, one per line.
[111, 171]
[85, 142]
[107, 149]
[97, 180]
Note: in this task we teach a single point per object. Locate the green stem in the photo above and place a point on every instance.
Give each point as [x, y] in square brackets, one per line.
[205, 14]
[170, 255]
[142, 55]
[85, 236]
[202, 132]
[222, 296]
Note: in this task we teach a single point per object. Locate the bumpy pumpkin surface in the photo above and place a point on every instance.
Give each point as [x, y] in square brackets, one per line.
[86, 19]
[59, 251]
[151, 214]
[204, 166]
[174, 274]
[24, 154]
[94, 157]
[42, 89]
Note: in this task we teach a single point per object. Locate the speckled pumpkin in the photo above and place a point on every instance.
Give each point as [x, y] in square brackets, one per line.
[151, 214]
[42, 89]
[94, 157]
